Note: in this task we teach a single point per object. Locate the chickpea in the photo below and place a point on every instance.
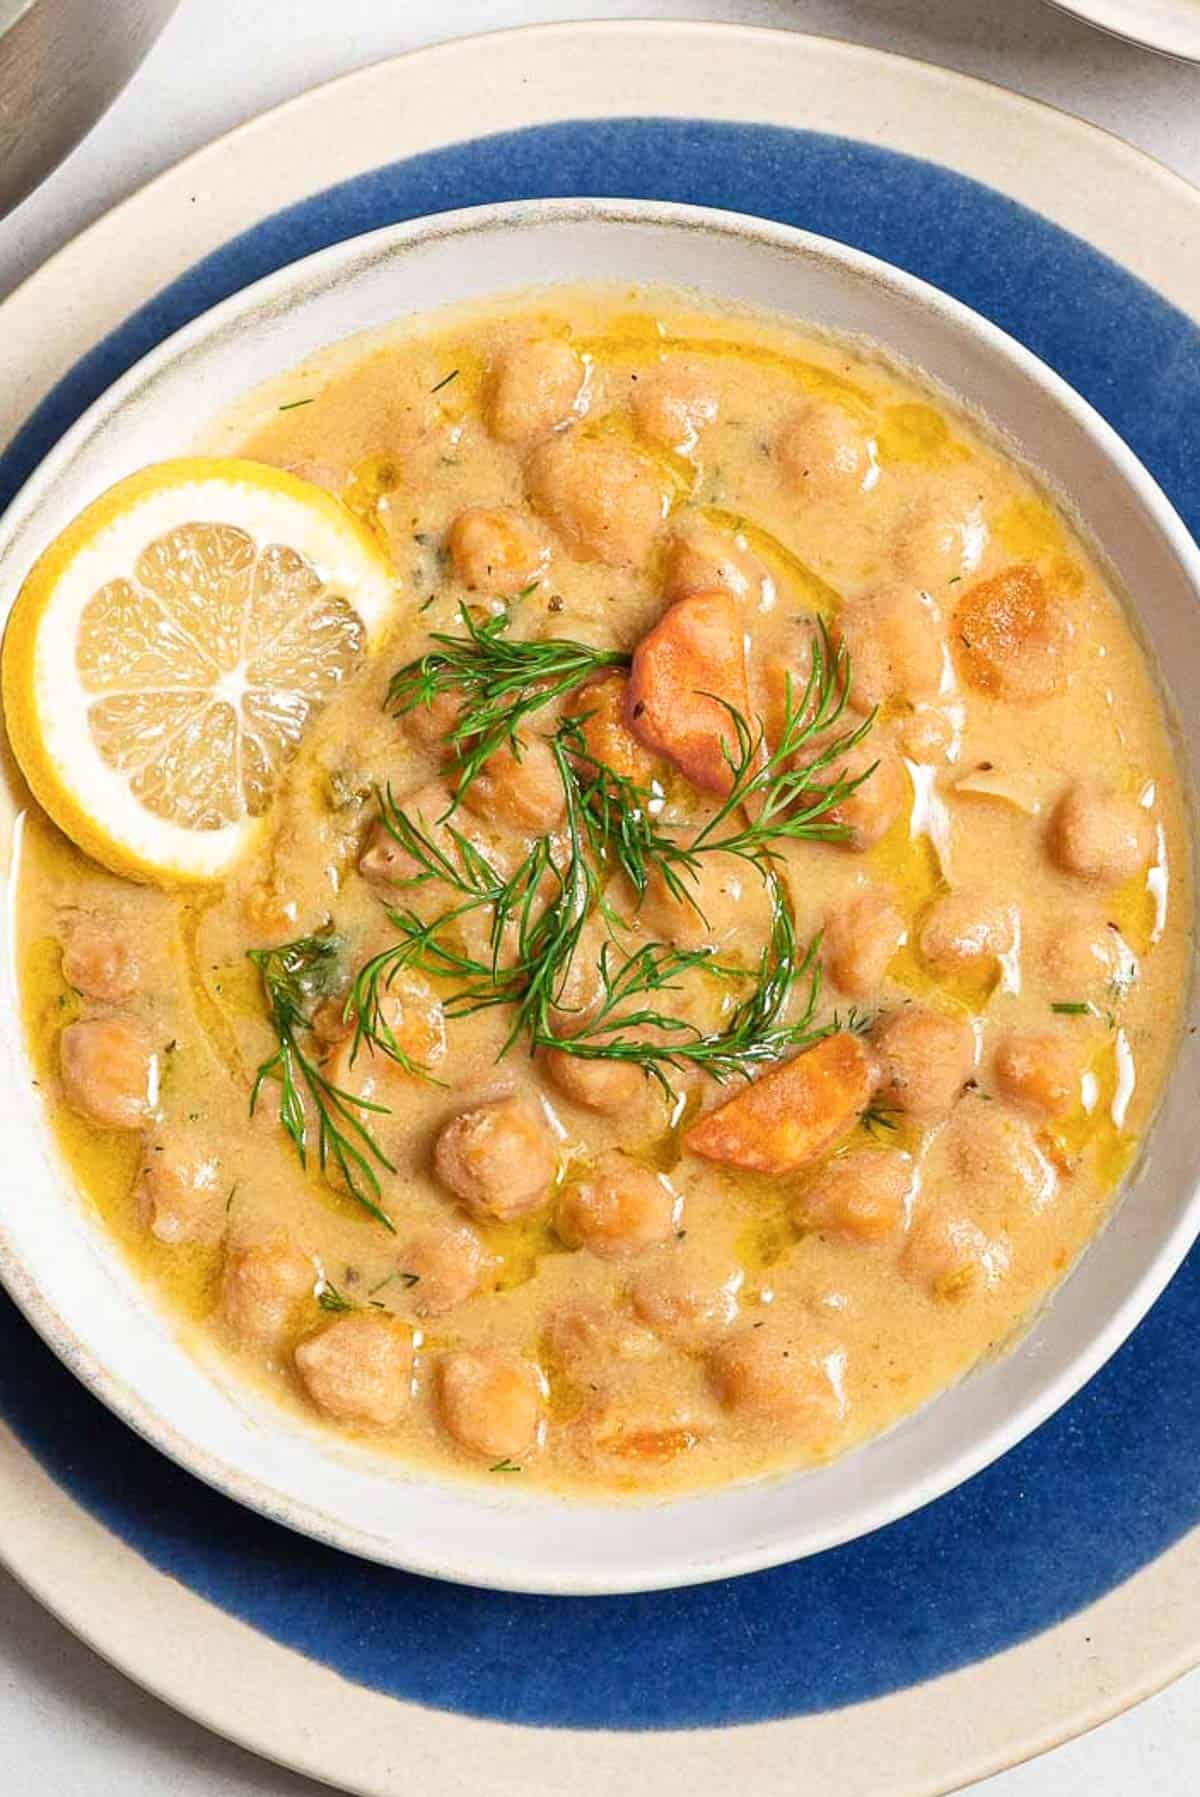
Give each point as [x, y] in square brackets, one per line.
[768, 1375]
[430, 725]
[1099, 837]
[500, 1158]
[700, 556]
[1038, 1070]
[591, 1339]
[601, 708]
[100, 963]
[605, 500]
[581, 989]
[383, 861]
[262, 1285]
[964, 932]
[874, 806]
[943, 537]
[988, 1152]
[895, 640]
[1013, 638]
[273, 918]
[926, 1059]
[444, 1265]
[494, 549]
[861, 1197]
[607, 1087]
[824, 455]
[535, 387]
[722, 897]
[618, 1209]
[411, 1012]
[781, 679]
[672, 403]
[687, 1302]
[358, 1370]
[180, 1197]
[331, 1026]
[109, 1072]
[490, 1401]
[860, 940]
[951, 1257]
[1087, 958]
[929, 736]
[521, 787]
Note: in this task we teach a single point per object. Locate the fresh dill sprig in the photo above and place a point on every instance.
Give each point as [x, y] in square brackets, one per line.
[619, 817]
[778, 795]
[499, 680]
[293, 976]
[443, 854]
[534, 916]
[756, 1032]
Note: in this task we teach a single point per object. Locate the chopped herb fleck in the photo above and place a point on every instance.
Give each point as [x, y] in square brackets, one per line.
[445, 381]
[505, 1466]
[329, 1298]
[1074, 1008]
[292, 404]
[879, 1117]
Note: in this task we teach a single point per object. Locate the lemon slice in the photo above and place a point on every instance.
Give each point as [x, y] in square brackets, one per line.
[168, 649]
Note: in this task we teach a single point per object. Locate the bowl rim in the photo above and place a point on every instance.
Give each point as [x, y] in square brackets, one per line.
[471, 1567]
[1177, 38]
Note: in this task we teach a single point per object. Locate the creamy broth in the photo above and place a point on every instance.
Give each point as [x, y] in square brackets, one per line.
[594, 1283]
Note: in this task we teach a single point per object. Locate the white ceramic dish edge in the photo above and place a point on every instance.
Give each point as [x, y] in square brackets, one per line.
[1171, 27]
[547, 1560]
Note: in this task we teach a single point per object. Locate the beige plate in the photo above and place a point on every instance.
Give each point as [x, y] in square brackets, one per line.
[919, 1741]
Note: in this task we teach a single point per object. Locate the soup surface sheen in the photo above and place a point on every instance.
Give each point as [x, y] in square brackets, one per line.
[609, 1271]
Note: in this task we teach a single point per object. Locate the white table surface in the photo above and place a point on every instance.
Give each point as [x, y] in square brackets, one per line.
[68, 1723]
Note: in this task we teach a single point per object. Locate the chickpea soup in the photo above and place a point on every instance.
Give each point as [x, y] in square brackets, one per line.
[698, 985]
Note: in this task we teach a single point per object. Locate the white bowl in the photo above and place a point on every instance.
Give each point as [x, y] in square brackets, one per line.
[1170, 26]
[67, 1275]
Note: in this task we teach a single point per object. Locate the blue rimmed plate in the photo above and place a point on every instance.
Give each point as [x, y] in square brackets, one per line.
[821, 1663]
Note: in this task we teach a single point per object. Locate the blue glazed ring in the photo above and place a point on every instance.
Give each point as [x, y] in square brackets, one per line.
[1078, 1507]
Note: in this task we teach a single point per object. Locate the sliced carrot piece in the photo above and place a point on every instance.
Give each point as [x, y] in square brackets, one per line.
[794, 1113]
[651, 1444]
[1013, 637]
[694, 658]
